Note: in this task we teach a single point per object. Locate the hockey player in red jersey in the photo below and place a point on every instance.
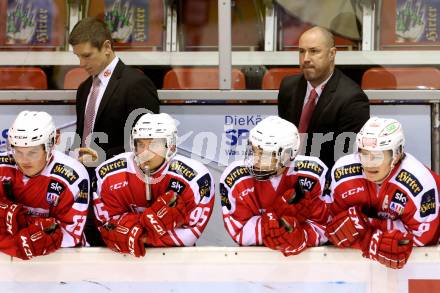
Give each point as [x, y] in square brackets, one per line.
[151, 196]
[384, 200]
[274, 196]
[43, 193]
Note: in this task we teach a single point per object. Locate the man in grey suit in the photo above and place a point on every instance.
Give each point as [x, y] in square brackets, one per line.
[322, 101]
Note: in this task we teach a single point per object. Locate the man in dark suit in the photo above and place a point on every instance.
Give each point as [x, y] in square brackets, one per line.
[322, 101]
[121, 90]
[105, 101]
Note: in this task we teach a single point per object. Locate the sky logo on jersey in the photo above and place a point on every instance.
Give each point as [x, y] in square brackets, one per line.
[65, 172]
[176, 185]
[398, 202]
[309, 166]
[7, 160]
[409, 181]
[235, 175]
[307, 183]
[83, 194]
[54, 190]
[427, 204]
[348, 171]
[182, 169]
[204, 184]
[112, 167]
[224, 197]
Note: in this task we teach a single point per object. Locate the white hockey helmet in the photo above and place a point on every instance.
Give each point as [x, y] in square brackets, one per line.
[381, 134]
[32, 128]
[156, 126]
[278, 139]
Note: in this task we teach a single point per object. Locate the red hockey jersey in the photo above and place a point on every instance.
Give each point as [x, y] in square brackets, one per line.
[121, 190]
[245, 199]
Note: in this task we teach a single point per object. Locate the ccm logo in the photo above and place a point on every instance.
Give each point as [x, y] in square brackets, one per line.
[26, 248]
[155, 224]
[352, 191]
[9, 217]
[132, 238]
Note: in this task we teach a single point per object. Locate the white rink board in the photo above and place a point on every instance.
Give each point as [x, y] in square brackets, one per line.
[213, 269]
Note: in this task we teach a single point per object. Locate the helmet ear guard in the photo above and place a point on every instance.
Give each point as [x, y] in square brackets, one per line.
[278, 140]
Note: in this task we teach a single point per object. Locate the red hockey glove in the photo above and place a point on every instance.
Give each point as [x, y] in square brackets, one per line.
[283, 234]
[390, 248]
[125, 235]
[347, 227]
[299, 205]
[12, 217]
[42, 237]
[166, 213]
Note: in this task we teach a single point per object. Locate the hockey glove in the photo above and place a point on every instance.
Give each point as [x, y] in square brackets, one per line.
[125, 235]
[12, 217]
[166, 213]
[347, 227]
[390, 248]
[42, 237]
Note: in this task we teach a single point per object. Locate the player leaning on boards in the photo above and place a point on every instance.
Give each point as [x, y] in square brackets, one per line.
[273, 197]
[384, 200]
[44, 193]
[150, 196]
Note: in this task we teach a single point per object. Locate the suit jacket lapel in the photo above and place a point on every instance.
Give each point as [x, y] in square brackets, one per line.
[326, 97]
[111, 86]
[296, 102]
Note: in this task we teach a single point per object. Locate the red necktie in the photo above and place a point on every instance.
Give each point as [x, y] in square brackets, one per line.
[90, 113]
[307, 112]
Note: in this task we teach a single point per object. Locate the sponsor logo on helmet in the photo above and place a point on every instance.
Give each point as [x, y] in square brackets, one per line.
[309, 166]
[65, 172]
[54, 190]
[224, 197]
[6, 160]
[409, 181]
[112, 167]
[369, 142]
[427, 204]
[176, 185]
[83, 194]
[182, 169]
[235, 175]
[347, 171]
[204, 184]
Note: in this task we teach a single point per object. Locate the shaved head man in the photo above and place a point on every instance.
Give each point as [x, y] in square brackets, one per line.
[322, 101]
[317, 55]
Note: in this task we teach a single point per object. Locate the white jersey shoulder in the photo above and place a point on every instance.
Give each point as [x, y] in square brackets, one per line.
[417, 181]
[234, 173]
[347, 168]
[312, 166]
[117, 164]
[187, 168]
[6, 160]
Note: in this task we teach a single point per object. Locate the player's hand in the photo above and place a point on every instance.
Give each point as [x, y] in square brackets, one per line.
[87, 156]
[347, 227]
[299, 205]
[166, 213]
[12, 217]
[125, 235]
[283, 234]
[390, 248]
[42, 237]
